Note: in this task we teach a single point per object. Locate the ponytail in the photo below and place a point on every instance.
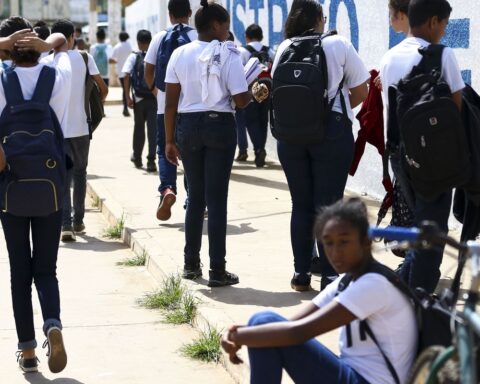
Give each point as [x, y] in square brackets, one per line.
[209, 13]
[204, 3]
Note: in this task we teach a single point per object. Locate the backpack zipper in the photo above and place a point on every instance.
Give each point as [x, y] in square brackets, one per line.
[5, 138]
[30, 180]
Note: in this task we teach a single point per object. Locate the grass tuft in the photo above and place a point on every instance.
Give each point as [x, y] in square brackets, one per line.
[168, 297]
[135, 261]
[115, 231]
[96, 202]
[186, 311]
[206, 347]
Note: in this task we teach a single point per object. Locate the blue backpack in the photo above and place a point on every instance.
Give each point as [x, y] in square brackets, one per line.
[33, 182]
[175, 37]
[101, 59]
[139, 86]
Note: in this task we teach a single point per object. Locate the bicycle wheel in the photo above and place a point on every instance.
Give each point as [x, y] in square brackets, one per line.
[447, 374]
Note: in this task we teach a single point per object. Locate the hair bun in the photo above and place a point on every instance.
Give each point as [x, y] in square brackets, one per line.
[204, 3]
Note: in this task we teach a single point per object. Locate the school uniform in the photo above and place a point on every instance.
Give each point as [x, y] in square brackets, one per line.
[317, 173]
[421, 267]
[206, 138]
[36, 261]
[120, 54]
[166, 170]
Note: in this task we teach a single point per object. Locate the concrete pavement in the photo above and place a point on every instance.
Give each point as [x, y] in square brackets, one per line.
[258, 242]
[109, 338]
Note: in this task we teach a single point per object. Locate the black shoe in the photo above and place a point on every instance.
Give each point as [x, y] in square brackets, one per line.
[151, 166]
[136, 162]
[326, 280]
[126, 113]
[27, 365]
[192, 271]
[301, 282]
[222, 279]
[242, 156]
[260, 156]
[57, 356]
[78, 227]
[68, 234]
[316, 266]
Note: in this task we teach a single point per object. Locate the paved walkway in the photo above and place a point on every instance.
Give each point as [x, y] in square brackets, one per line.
[258, 243]
[109, 338]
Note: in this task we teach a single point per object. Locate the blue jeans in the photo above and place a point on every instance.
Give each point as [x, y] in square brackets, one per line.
[240, 125]
[256, 120]
[308, 363]
[206, 142]
[422, 267]
[35, 262]
[166, 170]
[78, 149]
[316, 175]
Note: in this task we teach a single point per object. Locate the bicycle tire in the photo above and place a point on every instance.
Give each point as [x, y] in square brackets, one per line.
[447, 374]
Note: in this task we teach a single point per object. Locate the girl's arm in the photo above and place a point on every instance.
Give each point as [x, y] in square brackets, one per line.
[172, 97]
[358, 95]
[305, 311]
[3, 160]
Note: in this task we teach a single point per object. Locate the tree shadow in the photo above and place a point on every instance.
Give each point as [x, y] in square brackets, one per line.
[257, 297]
[38, 378]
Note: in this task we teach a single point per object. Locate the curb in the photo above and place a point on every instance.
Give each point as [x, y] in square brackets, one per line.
[138, 244]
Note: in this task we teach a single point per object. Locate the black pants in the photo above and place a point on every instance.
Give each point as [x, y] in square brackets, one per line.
[124, 96]
[37, 262]
[145, 111]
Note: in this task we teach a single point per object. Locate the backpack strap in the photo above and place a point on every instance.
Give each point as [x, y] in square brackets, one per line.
[11, 87]
[250, 49]
[431, 57]
[46, 82]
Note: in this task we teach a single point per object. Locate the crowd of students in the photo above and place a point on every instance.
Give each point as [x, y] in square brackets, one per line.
[187, 85]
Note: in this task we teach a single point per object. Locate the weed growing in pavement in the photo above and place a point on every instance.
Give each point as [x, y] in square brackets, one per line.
[186, 311]
[96, 202]
[168, 297]
[115, 231]
[135, 261]
[206, 347]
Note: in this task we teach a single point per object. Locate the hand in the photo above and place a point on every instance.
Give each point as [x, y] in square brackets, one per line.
[378, 83]
[155, 91]
[172, 154]
[230, 347]
[129, 102]
[27, 43]
[14, 37]
[260, 92]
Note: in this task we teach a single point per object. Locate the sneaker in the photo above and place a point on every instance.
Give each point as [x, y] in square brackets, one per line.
[301, 282]
[326, 280]
[260, 156]
[57, 356]
[68, 234]
[316, 266]
[151, 167]
[242, 156]
[78, 227]
[192, 271]
[164, 210]
[27, 365]
[222, 279]
[137, 162]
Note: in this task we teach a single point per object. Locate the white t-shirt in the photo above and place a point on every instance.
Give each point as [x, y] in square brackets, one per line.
[390, 316]
[109, 52]
[128, 69]
[28, 78]
[76, 125]
[342, 60]
[400, 60]
[151, 58]
[120, 53]
[257, 45]
[184, 68]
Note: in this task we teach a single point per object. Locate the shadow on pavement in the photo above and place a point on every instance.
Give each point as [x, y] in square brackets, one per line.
[38, 378]
[93, 244]
[251, 296]
[259, 182]
[96, 177]
[250, 165]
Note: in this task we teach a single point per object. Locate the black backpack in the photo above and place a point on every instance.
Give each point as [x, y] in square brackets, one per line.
[139, 86]
[433, 142]
[93, 100]
[300, 92]
[34, 180]
[433, 319]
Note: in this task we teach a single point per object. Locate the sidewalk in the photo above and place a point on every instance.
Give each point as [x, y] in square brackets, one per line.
[109, 338]
[258, 242]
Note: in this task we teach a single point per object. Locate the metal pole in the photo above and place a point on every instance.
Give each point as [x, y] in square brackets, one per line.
[14, 7]
[92, 22]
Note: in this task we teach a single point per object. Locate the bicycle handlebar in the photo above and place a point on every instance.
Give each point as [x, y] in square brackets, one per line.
[395, 233]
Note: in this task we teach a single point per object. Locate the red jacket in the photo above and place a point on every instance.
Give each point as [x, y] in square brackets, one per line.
[371, 124]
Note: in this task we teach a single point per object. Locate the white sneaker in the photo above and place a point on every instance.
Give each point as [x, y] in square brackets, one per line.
[68, 234]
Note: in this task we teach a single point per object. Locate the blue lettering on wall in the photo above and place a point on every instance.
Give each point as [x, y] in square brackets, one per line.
[276, 37]
[256, 5]
[352, 15]
[238, 27]
[457, 34]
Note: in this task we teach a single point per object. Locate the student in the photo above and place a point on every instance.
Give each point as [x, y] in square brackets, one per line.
[76, 133]
[275, 343]
[144, 103]
[42, 30]
[102, 54]
[317, 173]
[200, 126]
[78, 33]
[256, 114]
[120, 53]
[428, 20]
[35, 260]
[180, 12]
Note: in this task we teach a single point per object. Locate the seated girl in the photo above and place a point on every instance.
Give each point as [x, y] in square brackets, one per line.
[275, 343]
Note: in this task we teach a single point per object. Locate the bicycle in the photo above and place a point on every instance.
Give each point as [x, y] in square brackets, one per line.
[457, 363]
